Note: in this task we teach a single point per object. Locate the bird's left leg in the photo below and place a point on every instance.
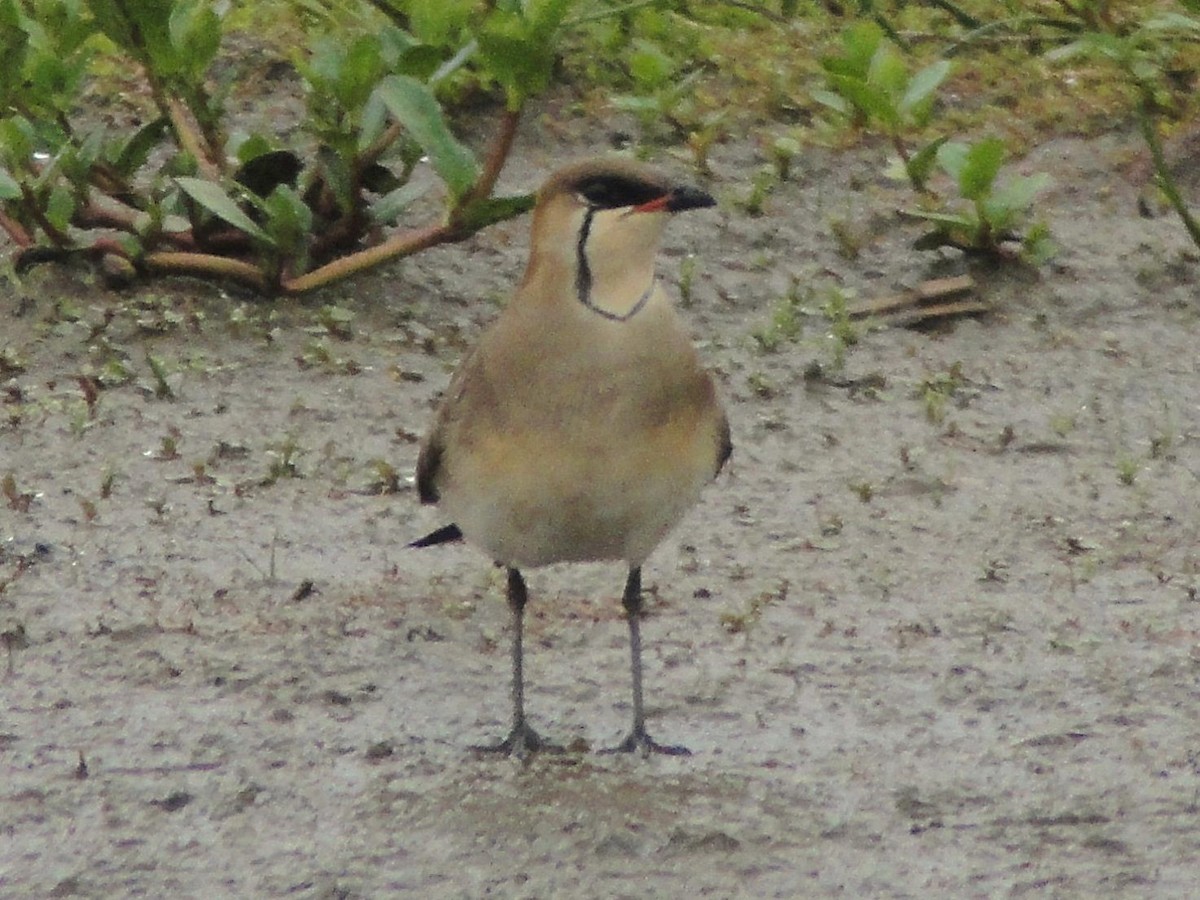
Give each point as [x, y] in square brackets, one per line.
[638, 741]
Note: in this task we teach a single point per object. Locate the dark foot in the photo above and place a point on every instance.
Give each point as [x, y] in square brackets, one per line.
[521, 742]
[640, 742]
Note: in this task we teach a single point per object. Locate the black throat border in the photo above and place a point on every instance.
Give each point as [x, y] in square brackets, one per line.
[583, 276]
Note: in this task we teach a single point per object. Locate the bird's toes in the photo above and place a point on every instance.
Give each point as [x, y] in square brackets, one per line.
[638, 741]
[521, 742]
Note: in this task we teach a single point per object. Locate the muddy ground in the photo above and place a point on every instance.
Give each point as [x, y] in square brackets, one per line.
[935, 632]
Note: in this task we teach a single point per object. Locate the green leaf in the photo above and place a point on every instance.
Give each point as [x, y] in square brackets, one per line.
[888, 74]
[65, 24]
[868, 100]
[415, 107]
[1020, 191]
[491, 210]
[361, 68]
[373, 121]
[248, 146]
[130, 245]
[110, 18]
[141, 28]
[195, 34]
[212, 197]
[289, 220]
[9, 188]
[1010, 201]
[387, 209]
[1173, 21]
[89, 150]
[833, 100]
[861, 42]
[440, 22]
[952, 157]
[918, 96]
[60, 206]
[1037, 247]
[335, 172]
[650, 66]
[14, 44]
[1109, 46]
[920, 164]
[132, 154]
[944, 218]
[518, 44]
[980, 167]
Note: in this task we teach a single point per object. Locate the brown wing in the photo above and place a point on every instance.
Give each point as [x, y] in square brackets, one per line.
[429, 461]
[431, 456]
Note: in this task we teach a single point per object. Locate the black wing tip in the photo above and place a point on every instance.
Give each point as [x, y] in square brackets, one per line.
[447, 534]
[725, 449]
[428, 463]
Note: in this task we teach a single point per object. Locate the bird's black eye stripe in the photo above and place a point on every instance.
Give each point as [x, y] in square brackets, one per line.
[615, 191]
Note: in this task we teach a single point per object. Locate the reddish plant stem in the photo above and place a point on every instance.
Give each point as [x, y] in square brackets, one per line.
[497, 156]
[206, 264]
[15, 230]
[415, 241]
[401, 245]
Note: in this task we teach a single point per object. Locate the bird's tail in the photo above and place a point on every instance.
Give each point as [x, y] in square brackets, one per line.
[447, 534]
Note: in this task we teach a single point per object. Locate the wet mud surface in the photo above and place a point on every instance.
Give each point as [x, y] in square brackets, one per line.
[935, 632]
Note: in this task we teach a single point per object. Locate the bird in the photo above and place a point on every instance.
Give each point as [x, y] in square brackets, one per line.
[583, 424]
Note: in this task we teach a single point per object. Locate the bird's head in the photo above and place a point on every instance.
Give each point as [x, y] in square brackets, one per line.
[603, 220]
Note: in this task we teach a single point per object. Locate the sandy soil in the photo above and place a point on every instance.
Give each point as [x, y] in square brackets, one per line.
[919, 647]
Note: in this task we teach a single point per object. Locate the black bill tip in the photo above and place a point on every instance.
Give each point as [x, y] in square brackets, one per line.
[687, 197]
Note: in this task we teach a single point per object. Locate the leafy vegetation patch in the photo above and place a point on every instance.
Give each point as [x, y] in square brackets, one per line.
[178, 185]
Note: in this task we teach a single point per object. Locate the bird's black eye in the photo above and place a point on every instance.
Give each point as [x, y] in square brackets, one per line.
[615, 191]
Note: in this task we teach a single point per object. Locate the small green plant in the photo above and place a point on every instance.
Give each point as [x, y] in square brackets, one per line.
[159, 386]
[387, 478]
[938, 389]
[762, 386]
[10, 363]
[870, 84]
[155, 314]
[1127, 469]
[189, 193]
[784, 151]
[785, 324]
[744, 620]
[843, 333]
[993, 211]
[1063, 424]
[317, 354]
[168, 445]
[106, 484]
[281, 458]
[687, 279]
[337, 321]
[1144, 52]
[864, 490]
[17, 499]
[662, 96]
[761, 186]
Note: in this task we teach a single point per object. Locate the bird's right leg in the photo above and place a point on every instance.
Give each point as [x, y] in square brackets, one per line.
[522, 739]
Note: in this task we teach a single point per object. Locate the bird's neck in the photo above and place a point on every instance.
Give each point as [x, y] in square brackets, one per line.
[614, 282]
